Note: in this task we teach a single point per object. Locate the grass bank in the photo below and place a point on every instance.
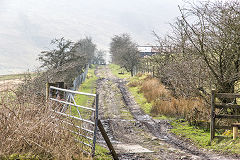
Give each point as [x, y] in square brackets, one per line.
[223, 143]
[200, 136]
[89, 86]
[134, 86]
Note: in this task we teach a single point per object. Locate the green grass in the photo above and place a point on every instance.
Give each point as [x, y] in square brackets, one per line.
[102, 153]
[201, 137]
[116, 69]
[135, 91]
[141, 100]
[89, 86]
[21, 157]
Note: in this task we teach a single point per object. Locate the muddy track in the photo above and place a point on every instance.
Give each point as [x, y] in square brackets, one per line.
[127, 124]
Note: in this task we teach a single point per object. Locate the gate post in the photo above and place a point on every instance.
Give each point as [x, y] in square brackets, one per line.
[95, 127]
[212, 125]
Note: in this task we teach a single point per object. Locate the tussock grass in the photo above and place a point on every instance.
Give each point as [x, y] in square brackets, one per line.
[29, 129]
[163, 103]
[153, 90]
[155, 99]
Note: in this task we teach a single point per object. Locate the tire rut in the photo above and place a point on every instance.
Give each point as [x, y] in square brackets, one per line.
[123, 131]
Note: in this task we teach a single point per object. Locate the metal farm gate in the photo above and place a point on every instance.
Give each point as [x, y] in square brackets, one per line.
[84, 119]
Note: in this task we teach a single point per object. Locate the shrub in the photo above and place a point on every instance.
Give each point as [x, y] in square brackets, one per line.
[30, 128]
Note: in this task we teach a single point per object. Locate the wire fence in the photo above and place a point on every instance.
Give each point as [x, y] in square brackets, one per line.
[83, 119]
[80, 79]
[145, 67]
[77, 82]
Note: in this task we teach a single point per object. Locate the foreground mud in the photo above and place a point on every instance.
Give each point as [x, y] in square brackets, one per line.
[134, 134]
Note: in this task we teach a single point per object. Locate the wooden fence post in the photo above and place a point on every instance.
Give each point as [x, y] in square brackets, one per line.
[235, 132]
[212, 125]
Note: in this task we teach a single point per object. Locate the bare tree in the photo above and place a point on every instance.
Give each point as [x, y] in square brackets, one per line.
[67, 60]
[99, 57]
[59, 56]
[124, 52]
[205, 49]
[85, 48]
[213, 31]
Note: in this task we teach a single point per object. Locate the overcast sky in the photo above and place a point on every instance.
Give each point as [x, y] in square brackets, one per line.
[27, 26]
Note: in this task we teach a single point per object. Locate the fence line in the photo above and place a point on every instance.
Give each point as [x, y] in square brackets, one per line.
[76, 84]
[144, 67]
[221, 105]
[80, 79]
[88, 117]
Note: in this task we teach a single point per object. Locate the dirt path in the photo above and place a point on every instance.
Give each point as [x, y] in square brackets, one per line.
[134, 134]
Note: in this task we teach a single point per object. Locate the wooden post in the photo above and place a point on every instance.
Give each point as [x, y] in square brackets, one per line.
[96, 125]
[235, 132]
[212, 124]
[109, 144]
[47, 91]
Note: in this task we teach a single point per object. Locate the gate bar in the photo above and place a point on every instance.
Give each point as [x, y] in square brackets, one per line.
[70, 91]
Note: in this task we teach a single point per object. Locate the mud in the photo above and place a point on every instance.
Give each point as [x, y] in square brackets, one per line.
[127, 125]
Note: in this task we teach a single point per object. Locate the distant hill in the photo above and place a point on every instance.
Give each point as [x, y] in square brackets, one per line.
[28, 26]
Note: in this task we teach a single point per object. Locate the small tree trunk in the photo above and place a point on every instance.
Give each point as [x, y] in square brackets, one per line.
[227, 87]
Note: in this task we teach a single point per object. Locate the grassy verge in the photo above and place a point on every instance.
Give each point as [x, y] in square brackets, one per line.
[89, 86]
[199, 136]
[222, 143]
[116, 70]
[134, 89]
